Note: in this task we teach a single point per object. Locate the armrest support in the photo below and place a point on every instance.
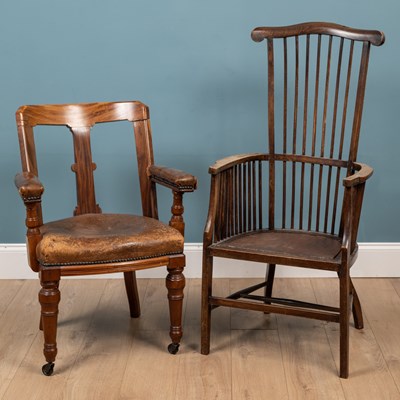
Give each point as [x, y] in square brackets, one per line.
[363, 172]
[29, 187]
[31, 190]
[173, 178]
[352, 204]
[180, 182]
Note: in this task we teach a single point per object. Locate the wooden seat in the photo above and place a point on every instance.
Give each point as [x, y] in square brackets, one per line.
[297, 248]
[91, 242]
[299, 203]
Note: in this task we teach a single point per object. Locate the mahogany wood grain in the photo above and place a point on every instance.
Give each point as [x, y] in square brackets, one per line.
[80, 118]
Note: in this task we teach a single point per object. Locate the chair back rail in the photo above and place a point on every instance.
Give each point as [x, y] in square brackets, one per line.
[79, 118]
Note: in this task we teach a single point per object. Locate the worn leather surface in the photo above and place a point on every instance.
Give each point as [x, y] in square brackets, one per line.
[173, 176]
[101, 238]
[29, 186]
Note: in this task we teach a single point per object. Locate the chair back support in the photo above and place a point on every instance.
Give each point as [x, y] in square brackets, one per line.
[79, 118]
[316, 84]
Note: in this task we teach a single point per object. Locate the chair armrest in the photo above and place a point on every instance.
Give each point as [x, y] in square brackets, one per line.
[180, 182]
[29, 187]
[228, 162]
[363, 172]
[173, 178]
[352, 204]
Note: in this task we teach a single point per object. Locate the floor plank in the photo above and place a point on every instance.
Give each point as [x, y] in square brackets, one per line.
[205, 377]
[101, 364]
[9, 288]
[79, 300]
[309, 366]
[155, 315]
[257, 366]
[152, 373]
[243, 319]
[369, 373]
[19, 326]
[105, 354]
[381, 303]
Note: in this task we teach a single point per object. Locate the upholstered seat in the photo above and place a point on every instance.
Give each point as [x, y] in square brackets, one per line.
[101, 238]
[297, 248]
[91, 242]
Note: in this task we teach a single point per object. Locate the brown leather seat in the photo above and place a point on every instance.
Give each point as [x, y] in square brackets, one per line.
[88, 238]
[92, 242]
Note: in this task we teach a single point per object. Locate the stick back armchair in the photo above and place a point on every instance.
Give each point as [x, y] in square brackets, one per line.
[91, 242]
[298, 204]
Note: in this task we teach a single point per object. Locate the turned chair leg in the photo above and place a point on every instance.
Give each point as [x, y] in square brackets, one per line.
[132, 293]
[344, 322]
[205, 305]
[175, 283]
[40, 319]
[49, 298]
[356, 308]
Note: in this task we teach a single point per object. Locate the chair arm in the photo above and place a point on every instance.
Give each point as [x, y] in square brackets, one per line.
[352, 204]
[174, 179]
[29, 187]
[363, 172]
[228, 162]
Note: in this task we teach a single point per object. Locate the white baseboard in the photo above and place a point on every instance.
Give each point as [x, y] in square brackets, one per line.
[374, 260]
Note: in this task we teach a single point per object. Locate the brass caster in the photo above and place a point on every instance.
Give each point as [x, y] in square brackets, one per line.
[173, 348]
[48, 369]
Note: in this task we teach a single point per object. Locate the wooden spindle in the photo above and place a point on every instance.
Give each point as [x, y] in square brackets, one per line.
[314, 131]
[260, 202]
[342, 133]
[240, 195]
[249, 196]
[285, 100]
[271, 134]
[333, 133]
[304, 142]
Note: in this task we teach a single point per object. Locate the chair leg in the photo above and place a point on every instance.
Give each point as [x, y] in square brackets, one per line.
[356, 308]
[132, 293]
[49, 298]
[40, 319]
[175, 283]
[269, 277]
[344, 322]
[205, 305]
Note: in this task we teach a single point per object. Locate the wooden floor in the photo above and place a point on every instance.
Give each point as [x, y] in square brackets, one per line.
[103, 354]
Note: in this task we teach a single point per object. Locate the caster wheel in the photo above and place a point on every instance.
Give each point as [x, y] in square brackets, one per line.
[173, 348]
[48, 369]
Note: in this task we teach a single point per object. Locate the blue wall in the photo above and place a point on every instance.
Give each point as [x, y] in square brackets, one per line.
[194, 64]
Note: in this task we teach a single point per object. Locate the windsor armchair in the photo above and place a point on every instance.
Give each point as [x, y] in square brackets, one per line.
[299, 204]
[91, 242]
